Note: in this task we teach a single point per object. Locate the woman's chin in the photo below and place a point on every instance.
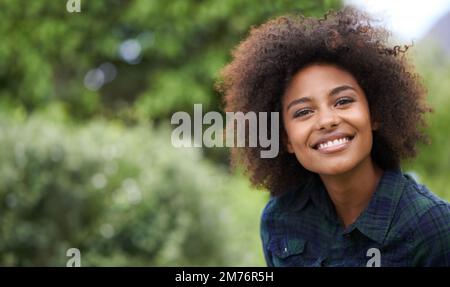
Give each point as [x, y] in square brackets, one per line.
[333, 169]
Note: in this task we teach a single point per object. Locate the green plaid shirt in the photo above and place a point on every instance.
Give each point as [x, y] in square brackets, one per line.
[404, 225]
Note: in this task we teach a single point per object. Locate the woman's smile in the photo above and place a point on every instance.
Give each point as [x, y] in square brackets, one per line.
[334, 146]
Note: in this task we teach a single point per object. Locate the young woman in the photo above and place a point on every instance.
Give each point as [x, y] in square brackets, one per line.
[351, 109]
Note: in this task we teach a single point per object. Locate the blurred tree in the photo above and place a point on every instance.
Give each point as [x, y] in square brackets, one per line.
[137, 58]
[121, 196]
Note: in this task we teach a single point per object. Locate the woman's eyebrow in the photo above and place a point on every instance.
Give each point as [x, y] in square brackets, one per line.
[333, 92]
[339, 89]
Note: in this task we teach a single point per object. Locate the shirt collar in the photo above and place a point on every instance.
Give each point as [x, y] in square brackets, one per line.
[375, 220]
[315, 191]
[302, 194]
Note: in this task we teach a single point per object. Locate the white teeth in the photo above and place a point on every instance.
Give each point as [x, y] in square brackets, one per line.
[333, 143]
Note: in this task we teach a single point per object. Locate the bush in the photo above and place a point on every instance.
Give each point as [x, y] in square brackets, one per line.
[121, 196]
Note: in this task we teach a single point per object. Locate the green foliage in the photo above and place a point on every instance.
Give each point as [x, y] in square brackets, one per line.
[123, 196]
[46, 52]
[433, 161]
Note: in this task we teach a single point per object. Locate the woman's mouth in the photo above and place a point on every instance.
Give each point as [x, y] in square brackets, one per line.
[334, 145]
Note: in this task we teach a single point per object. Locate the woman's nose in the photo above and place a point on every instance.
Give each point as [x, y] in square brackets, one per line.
[327, 119]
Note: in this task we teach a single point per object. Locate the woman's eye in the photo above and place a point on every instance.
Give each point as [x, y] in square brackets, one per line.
[344, 101]
[301, 113]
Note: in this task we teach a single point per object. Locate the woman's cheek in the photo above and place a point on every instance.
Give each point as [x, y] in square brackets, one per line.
[300, 142]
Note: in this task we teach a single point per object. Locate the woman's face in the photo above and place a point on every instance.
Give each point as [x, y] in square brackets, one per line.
[327, 120]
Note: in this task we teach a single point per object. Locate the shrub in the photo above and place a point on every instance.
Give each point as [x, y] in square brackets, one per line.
[122, 196]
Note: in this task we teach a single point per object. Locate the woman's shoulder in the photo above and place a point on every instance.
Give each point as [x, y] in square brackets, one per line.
[292, 199]
[425, 213]
[419, 199]
[280, 203]
[427, 217]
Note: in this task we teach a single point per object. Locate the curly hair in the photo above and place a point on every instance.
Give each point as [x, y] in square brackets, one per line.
[265, 62]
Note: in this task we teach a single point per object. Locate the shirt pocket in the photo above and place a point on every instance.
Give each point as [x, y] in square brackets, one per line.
[289, 252]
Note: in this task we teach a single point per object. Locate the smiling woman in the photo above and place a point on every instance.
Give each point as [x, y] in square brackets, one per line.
[352, 110]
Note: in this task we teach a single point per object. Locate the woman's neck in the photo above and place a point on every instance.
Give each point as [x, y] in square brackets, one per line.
[351, 192]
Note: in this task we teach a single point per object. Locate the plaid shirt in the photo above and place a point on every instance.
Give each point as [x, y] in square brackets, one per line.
[404, 225]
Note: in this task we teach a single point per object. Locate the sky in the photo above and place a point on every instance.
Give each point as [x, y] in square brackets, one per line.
[407, 19]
